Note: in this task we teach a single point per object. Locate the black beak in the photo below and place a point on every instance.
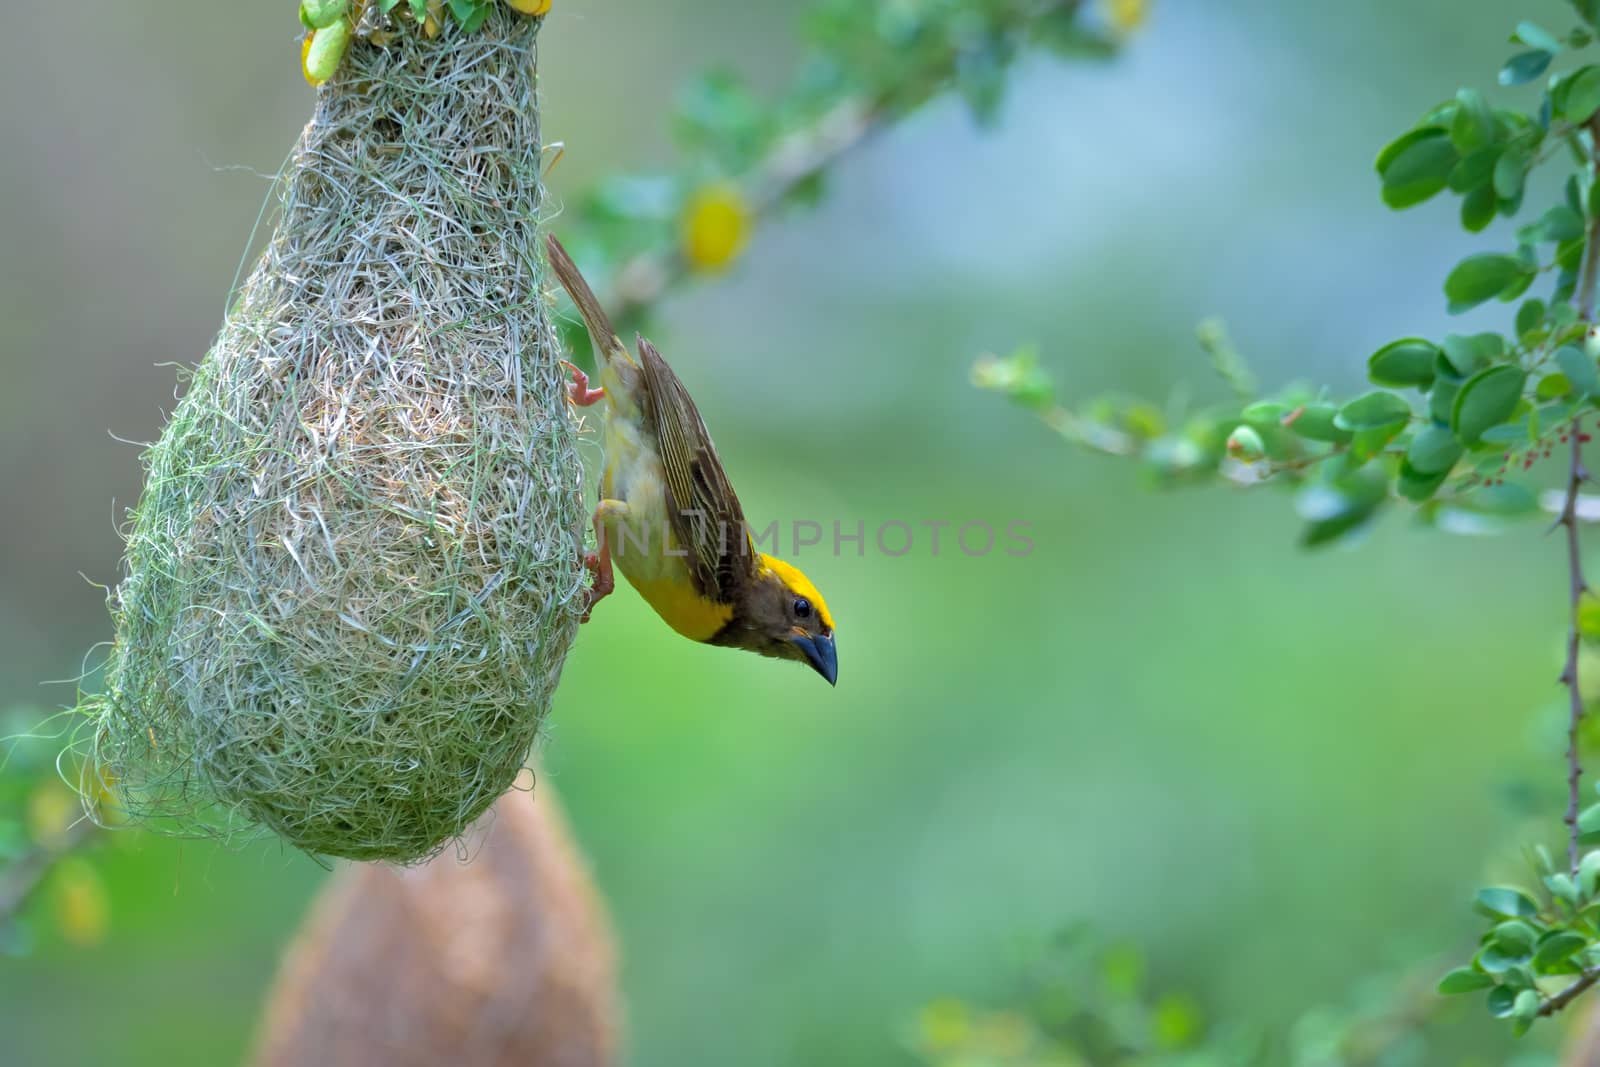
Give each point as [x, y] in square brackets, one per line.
[820, 653]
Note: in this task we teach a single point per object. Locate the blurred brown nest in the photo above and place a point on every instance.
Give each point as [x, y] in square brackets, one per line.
[354, 572]
[506, 961]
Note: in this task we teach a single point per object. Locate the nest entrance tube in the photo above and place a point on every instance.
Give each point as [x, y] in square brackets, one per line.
[354, 572]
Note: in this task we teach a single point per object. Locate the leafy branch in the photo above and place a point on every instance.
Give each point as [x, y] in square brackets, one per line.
[1489, 408]
[746, 161]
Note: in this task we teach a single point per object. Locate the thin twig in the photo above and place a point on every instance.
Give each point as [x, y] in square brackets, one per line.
[647, 277]
[24, 876]
[1571, 993]
[1577, 475]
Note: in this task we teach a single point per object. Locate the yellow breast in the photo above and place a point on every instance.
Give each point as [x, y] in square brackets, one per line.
[643, 546]
[683, 609]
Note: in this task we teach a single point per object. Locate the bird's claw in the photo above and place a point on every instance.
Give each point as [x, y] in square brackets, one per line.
[598, 565]
[578, 390]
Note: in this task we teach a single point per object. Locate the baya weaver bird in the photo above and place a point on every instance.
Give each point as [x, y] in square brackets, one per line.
[668, 517]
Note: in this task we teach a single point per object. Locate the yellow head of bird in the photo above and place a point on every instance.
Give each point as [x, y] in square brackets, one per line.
[784, 616]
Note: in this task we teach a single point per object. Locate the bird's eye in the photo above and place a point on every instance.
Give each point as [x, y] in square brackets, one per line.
[802, 608]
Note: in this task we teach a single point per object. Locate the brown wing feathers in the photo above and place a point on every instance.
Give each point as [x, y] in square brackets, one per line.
[714, 528]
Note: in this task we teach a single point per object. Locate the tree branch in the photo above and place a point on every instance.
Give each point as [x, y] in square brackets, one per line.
[643, 280]
[1577, 474]
[1571, 993]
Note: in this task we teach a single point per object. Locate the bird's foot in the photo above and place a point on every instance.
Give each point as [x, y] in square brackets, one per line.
[578, 390]
[599, 566]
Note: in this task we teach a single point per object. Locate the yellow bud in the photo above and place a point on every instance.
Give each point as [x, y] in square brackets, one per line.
[52, 809]
[324, 49]
[946, 1025]
[320, 14]
[431, 24]
[1127, 15]
[530, 7]
[82, 907]
[305, 53]
[716, 225]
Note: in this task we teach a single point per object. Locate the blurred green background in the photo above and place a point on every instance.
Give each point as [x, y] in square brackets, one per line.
[1276, 771]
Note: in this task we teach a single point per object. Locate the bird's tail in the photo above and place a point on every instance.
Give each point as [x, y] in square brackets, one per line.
[607, 344]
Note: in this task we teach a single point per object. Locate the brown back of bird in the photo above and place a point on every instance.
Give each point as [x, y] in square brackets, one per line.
[507, 959]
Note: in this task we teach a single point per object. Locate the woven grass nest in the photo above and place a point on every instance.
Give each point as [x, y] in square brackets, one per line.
[354, 572]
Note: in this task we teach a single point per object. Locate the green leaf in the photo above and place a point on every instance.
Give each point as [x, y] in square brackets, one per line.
[1550, 387]
[1510, 500]
[1583, 95]
[1579, 369]
[1434, 451]
[1589, 616]
[1487, 399]
[1536, 36]
[1483, 277]
[1418, 170]
[1505, 902]
[1501, 1001]
[1244, 443]
[1464, 980]
[1511, 170]
[1560, 223]
[1524, 67]
[1497, 960]
[1475, 170]
[1589, 874]
[1337, 510]
[1367, 444]
[1589, 823]
[1316, 422]
[1473, 126]
[1377, 410]
[1405, 362]
[1442, 400]
[1557, 947]
[1563, 888]
[1478, 209]
[1417, 486]
[1265, 413]
[1514, 937]
[1530, 316]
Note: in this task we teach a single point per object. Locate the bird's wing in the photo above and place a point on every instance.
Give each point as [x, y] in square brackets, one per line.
[703, 509]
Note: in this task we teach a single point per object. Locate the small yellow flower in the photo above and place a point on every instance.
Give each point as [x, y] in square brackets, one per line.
[945, 1025]
[82, 906]
[1127, 15]
[530, 7]
[52, 809]
[716, 226]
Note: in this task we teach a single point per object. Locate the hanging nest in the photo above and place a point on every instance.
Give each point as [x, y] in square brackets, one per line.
[354, 572]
